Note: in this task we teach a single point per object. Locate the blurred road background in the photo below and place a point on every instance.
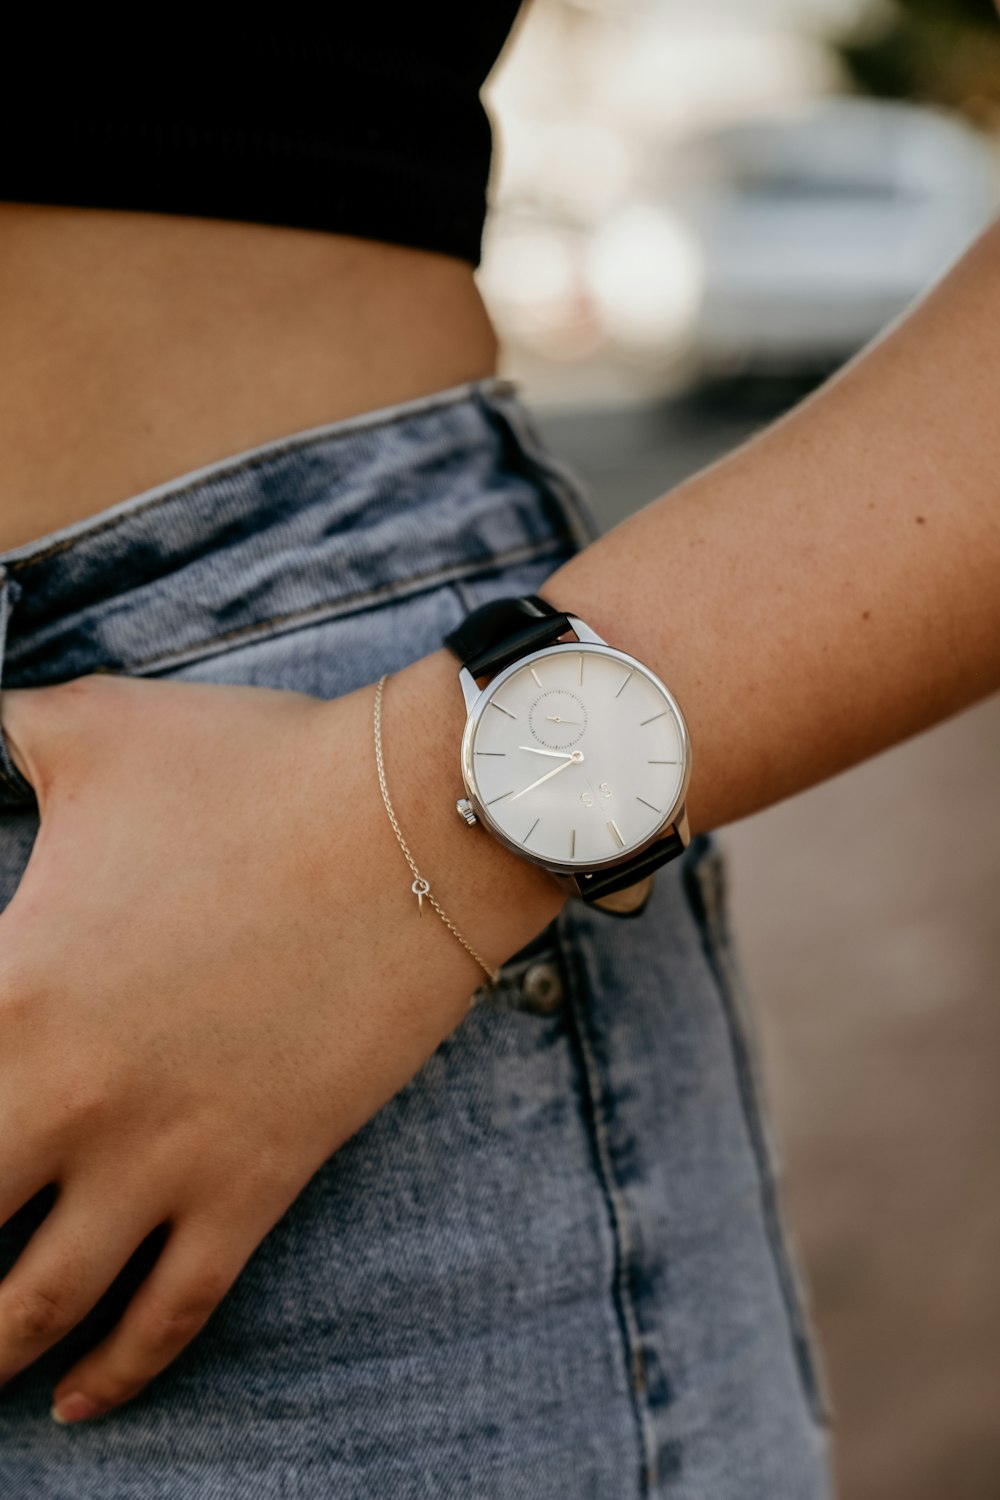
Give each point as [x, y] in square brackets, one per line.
[698, 212]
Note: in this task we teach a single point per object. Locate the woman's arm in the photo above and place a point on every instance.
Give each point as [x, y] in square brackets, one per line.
[833, 585]
[213, 971]
[828, 589]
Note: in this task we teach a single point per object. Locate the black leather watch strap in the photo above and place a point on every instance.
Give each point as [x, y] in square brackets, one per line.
[604, 882]
[496, 634]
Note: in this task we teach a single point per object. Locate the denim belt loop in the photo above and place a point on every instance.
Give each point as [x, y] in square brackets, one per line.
[14, 790]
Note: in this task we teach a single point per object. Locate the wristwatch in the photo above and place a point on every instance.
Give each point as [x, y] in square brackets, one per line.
[575, 755]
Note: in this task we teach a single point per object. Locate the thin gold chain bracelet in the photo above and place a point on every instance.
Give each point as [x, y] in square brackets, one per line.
[420, 887]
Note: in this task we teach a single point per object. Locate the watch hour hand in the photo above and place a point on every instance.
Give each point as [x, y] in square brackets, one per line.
[557, 754]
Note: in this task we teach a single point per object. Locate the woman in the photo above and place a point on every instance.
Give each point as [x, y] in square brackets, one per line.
[284, 1215]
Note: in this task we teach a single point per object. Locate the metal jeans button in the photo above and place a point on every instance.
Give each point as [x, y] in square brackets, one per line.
[542, 989]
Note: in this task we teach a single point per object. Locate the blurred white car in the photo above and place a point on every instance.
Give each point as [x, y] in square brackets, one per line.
[808, 235]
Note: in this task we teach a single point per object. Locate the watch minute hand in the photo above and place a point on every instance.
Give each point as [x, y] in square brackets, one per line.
[557, 754]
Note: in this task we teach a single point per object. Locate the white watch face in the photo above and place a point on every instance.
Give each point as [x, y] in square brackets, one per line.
[576, 755]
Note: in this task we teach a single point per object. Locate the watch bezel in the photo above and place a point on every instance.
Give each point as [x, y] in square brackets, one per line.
[481, 703]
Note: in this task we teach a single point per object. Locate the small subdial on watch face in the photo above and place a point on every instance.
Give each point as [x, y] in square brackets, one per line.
[557, 719]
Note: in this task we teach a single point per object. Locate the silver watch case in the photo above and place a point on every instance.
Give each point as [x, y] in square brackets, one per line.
[477, 700]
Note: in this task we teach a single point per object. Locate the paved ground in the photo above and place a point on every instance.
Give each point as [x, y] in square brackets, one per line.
[867, 913]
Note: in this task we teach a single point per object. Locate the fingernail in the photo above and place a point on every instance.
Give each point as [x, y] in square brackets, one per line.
[73, 1408]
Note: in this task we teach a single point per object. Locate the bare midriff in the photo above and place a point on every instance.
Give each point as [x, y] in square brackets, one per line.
[135, 347]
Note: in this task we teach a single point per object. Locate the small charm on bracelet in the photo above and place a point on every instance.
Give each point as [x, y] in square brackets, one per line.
[420, 886]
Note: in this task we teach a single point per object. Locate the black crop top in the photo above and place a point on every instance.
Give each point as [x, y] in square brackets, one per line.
[365, 121]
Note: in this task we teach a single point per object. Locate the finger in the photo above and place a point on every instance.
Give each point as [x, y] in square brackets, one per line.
[63, 1271]
[173, 1304]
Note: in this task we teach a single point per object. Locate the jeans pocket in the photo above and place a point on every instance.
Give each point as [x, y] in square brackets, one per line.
[706, 884]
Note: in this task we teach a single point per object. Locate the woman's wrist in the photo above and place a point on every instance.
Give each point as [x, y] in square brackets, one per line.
[495, 899]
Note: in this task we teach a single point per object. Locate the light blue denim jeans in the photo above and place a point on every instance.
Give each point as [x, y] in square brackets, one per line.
[553, 1267]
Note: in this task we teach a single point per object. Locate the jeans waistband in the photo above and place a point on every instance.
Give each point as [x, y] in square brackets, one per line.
[323, 520]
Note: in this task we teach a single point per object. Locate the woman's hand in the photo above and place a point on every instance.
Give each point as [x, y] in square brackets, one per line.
[212, 974]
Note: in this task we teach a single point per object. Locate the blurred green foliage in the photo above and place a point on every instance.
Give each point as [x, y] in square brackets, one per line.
[941, 51]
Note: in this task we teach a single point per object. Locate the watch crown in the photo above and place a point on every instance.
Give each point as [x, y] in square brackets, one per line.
[465, 809]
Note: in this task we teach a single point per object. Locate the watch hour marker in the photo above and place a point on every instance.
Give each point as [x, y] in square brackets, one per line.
[580, 673]
[530, 831]
[498, 799]
[495, 704]
[622, 688]
[648, 804]
[491, 752]
[615, 833]
[572, 843]
[661, 763]
[660, 715]
[536, 676]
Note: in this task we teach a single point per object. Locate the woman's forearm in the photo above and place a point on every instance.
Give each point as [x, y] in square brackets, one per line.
[830, 588]
[833, 586]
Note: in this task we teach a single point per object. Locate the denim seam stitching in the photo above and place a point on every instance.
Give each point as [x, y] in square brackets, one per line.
[594, 1113]
[349, 602]
[264, 453]
[709, 875]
